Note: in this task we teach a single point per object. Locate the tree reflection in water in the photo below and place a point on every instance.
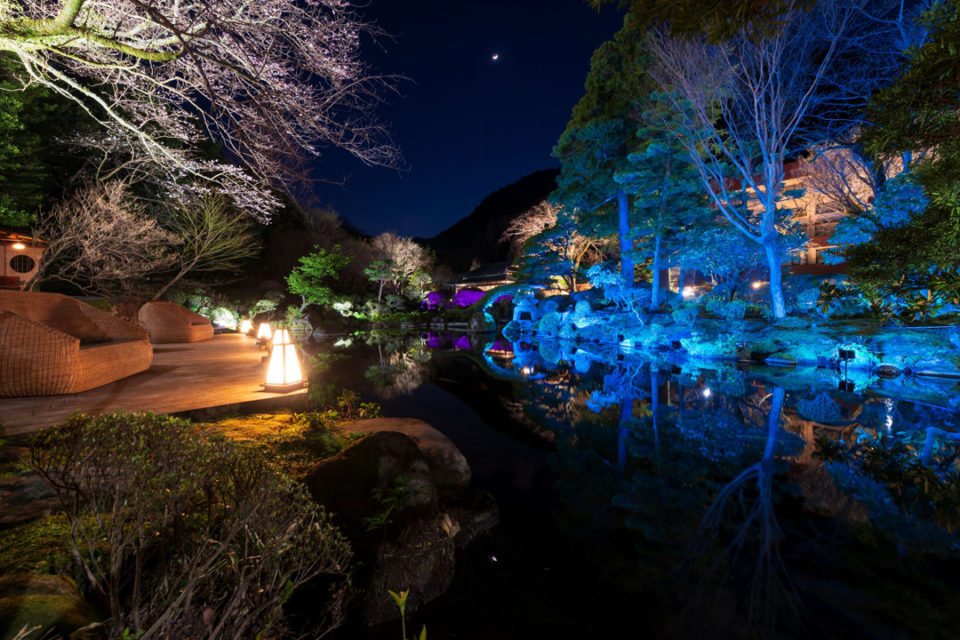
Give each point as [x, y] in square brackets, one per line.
[713, 472]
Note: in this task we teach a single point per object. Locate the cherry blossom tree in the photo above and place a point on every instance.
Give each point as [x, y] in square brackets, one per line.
[405, 257]
[102, 241]
[271, 81]
[552, 244]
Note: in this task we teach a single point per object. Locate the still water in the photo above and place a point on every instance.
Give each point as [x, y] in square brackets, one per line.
[641, 496]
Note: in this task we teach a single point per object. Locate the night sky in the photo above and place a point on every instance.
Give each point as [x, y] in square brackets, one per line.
[466, 124]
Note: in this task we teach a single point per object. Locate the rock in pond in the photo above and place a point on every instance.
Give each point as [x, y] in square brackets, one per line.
[383, 493]
[448, 467]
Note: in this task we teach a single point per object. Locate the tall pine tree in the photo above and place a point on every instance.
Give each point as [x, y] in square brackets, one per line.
[599, 139]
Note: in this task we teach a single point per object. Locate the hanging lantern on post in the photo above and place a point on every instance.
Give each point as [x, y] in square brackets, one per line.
[246, 326]
[283, 371]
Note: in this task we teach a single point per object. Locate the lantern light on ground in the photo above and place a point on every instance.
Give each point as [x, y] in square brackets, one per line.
[263, 333]
[18, 246]
[245, 326]
[283, 371]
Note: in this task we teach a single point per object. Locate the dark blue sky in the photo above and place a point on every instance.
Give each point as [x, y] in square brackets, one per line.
[467, 125]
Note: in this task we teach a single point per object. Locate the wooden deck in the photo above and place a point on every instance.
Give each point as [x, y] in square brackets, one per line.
[215, 377]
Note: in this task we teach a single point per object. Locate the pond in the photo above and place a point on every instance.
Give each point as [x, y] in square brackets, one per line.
[647, 496]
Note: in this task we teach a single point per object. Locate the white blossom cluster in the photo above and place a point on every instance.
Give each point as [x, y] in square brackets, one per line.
[272, 81]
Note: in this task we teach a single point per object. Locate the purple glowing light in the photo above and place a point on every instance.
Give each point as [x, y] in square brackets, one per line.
[467, 297]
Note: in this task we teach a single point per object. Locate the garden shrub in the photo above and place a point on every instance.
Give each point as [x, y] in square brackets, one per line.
[685, 315]
[263, 305]
[732, 309]
[549, 324]
[224, 317]
[394, 303]
[184, 533]
[713, 347]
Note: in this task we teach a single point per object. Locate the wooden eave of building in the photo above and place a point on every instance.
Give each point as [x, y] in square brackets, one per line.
[10, 236]
[486, 276]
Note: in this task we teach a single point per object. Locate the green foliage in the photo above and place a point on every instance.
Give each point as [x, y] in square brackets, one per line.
[181, 529]
[264, 305]
[718, 19]
[312, 277]
[390, 501]
[598, 139]
[918, 118]
[30, 155]
[41, 546]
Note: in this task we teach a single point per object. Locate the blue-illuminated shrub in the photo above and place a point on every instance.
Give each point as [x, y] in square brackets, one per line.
[550, 324]
[714, 347]
[685, 315]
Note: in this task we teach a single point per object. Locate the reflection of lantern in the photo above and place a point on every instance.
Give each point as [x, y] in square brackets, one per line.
[246, 326]
[263, 333]
[283, 372]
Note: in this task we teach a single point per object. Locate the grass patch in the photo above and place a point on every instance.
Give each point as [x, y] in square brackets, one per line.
[40, 546]
[296, 441]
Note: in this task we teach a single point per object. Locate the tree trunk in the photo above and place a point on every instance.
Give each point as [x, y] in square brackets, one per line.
[380, 292]
[776, 282]
[626, 245]
[165, 287]
[655, 280]
[773, 424]
[623, 431]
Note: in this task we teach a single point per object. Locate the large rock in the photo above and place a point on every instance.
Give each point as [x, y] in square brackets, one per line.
[382, 491]
[25, 497]
[420, 559]
[448, 467]
[348, 483]
[50, 604]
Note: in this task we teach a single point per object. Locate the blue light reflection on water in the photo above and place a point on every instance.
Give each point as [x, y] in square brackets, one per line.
[683, 484]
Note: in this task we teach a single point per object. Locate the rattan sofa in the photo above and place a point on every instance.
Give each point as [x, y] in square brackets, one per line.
[51, 344]
[169, 322]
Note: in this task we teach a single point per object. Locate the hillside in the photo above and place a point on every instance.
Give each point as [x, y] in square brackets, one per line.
[476, 238]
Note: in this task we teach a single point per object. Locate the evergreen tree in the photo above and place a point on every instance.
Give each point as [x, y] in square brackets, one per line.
[918, 117]
[29, 155]
[668, 192]
[312, 277]
[598, 140]
[555, 256]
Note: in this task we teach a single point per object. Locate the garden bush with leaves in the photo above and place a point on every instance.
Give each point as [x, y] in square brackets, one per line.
[181, 532]
[903, 490]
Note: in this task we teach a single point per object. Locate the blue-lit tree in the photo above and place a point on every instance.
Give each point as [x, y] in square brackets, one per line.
[599, 139]
[668, 195]
[554, 246]
[746, 106]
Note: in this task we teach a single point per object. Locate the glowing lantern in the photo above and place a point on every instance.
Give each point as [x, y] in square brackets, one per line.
[283, 372]
[18, 246]
[246, 326]
[757, 284]
[263, 333]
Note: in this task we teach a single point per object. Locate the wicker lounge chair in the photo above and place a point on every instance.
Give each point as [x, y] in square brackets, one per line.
[169, 322]
[51, 344]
